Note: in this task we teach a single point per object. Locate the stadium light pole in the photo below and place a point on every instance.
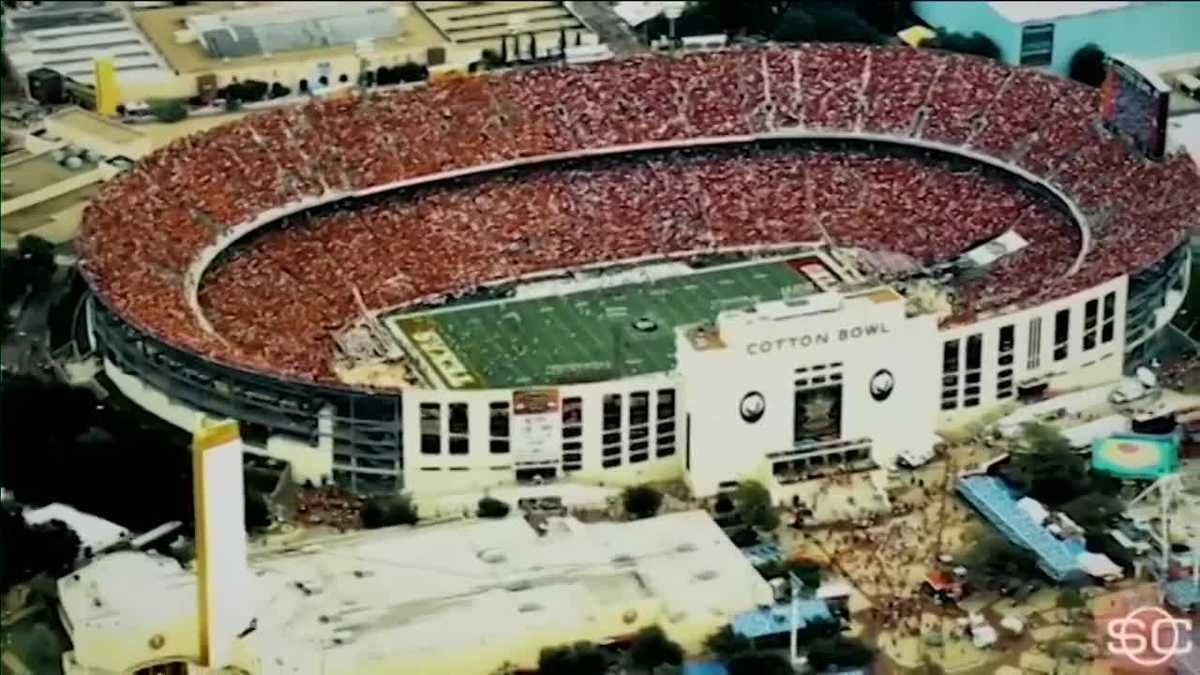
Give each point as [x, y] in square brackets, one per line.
[794, 582]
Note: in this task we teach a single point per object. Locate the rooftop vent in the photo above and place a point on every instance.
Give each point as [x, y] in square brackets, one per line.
[706, 575]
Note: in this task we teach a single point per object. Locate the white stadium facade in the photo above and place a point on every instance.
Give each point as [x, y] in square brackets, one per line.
[852, 377]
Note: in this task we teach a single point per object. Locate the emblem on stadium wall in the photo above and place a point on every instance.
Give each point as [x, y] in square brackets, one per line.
[752, 407]
[882, 384]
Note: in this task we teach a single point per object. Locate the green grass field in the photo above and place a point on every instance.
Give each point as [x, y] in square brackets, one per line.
[587, 335]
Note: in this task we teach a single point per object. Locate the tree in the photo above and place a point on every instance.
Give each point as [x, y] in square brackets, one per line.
[168, 110]
[1093, 511]
[759, 663]
[726, 643]
[581, 658]
[37, 255]
[993, 558]
[50, 548]
[1049, 470]
[387, 511]
[1087, 65]
[839, 652]
[754, 506]
[821, 22]
[975, 43]
[1071, 598]
[258, 513]
[641, 501]
[652, 648]
[808, 573]
[490, 507]
[723, 504]
[412, 72]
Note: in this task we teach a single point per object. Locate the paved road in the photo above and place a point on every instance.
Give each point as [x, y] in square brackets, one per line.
[612, 31]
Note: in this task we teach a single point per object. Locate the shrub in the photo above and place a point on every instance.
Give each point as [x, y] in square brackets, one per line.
[754, 506]
[412, 72]
[388, 511]
[168, 110]
[1087, 65]
[490, 507]
[641, 501]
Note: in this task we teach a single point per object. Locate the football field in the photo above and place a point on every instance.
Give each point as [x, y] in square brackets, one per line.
[591, 334]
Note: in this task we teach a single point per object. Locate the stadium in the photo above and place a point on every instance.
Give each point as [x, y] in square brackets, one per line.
[759, 262]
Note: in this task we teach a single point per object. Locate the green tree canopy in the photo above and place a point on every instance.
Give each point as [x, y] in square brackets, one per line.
[387, 511]
[258, 513]
[993, 557]
[641, 501]
[839, 652]
[759, 663]
[168, 110]
[1094, 511]
[726, 643]
[824, 22]
[581, 658]
[30, 550]
[1048, 470]
[1087, 65]
[652, 648]
[490, 507]
[754, 505]
[975, 43]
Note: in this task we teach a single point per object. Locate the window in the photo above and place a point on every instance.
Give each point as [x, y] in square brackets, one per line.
[458, 418]
[612, 411]
[1091, 319]
[1108, 328]
[974, 352]
[950, 350]
[1008, 338]
[1004, 359]
[639, 408]
[666, 404]
[498, 427]
[610, 447]
[459, 428]
[1035, 343]
[1062, 333]
[499, 421]
[950, 356]
[431, 428]
[1037, 44]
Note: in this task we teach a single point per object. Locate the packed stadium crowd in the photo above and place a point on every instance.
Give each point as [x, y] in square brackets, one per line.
[273, 309]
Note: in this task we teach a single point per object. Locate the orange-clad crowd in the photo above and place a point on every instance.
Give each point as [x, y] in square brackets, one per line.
[274, 305]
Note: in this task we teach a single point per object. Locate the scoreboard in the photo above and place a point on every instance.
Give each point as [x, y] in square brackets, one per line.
[1134, 105]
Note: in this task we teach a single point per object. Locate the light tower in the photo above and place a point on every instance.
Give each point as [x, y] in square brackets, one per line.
[222, 576]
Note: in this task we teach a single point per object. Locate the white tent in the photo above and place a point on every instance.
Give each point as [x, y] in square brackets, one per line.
[1034, 509]
[1099, 566]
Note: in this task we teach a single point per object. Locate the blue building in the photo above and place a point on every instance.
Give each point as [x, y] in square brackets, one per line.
[1048, 34]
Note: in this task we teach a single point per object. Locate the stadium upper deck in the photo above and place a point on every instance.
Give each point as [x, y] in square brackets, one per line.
[153, 232]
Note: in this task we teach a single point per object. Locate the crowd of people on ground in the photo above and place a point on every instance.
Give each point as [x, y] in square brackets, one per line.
[274, 305]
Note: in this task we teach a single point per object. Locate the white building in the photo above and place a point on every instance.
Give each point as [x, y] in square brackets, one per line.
[454, 599]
